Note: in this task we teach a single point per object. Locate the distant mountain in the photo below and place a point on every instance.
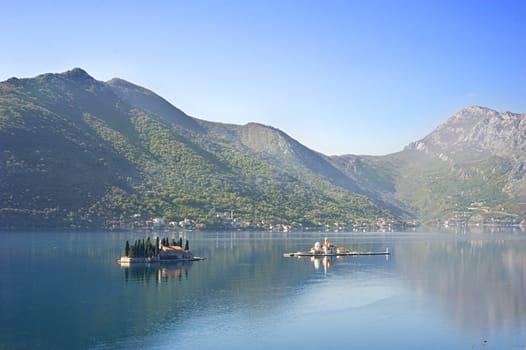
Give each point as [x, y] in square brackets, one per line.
[477, 133]
[470, 169]
[77, 152]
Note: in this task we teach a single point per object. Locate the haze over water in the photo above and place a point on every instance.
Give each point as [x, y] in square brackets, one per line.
[435, 291]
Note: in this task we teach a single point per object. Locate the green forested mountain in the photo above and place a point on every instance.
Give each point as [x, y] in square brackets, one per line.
[79, 152]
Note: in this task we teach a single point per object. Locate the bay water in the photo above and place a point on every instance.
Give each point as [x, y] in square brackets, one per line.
[65, 290]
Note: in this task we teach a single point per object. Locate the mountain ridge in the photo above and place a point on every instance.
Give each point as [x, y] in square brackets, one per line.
[470, 169]
[469, 126]
[81, 152]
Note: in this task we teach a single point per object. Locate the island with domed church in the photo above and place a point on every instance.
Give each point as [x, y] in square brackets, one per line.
[157, 251]
[329, 249]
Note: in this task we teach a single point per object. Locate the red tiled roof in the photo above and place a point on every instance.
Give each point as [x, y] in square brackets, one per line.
[171, 248]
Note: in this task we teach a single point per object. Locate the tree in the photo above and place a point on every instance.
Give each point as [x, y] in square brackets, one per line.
[148, 247]
[127, 249]
[186, 246]
[136, 248]
[181, 242]
[132, 252]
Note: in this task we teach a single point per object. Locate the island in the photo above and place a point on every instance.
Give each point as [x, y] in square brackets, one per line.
[157, 251]
[329, 249]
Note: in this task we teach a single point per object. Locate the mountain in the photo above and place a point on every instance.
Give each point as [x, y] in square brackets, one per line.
[470, 169]
[78, 152]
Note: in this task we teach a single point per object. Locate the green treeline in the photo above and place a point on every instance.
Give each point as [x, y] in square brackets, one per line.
[148, 248]
[142, 248]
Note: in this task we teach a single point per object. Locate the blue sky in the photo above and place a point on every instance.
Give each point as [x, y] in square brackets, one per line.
[360, 77]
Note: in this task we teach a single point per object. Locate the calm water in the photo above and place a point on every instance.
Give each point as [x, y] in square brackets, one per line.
[436, 291]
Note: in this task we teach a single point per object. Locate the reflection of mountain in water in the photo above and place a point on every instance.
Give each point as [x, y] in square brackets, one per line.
[480, 282]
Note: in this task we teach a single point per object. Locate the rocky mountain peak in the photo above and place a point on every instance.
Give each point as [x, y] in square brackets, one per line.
[476, 130]
[76, 78]
[78, 75]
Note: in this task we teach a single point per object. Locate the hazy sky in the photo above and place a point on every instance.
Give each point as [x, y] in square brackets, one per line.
[361, 77]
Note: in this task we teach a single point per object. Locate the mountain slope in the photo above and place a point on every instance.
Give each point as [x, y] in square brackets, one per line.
[151, 103]
[469, 169]
[48, 160]
[272, 148]
[79, 152]
[480, 134]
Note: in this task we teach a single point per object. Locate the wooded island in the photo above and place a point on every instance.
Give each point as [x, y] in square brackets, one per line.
[148, 251]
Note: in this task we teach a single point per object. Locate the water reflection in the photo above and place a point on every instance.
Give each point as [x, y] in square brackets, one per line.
[479, 282]
[478, 229]
[325, 262]
[78, 297]
[157, 273]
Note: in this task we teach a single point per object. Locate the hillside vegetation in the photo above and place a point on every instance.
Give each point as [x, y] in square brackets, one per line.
[84, 153]
[77, 152]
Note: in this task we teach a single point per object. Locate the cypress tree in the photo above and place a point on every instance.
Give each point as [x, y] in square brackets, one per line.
[148, 247]
[136, 247]
[186, 246]
[181, 242]
[127, 249]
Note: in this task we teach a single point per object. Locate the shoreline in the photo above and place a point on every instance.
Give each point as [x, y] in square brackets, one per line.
[124, 260]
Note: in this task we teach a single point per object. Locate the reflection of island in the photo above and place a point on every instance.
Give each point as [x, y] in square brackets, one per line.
[156, 273]
[326, 262]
